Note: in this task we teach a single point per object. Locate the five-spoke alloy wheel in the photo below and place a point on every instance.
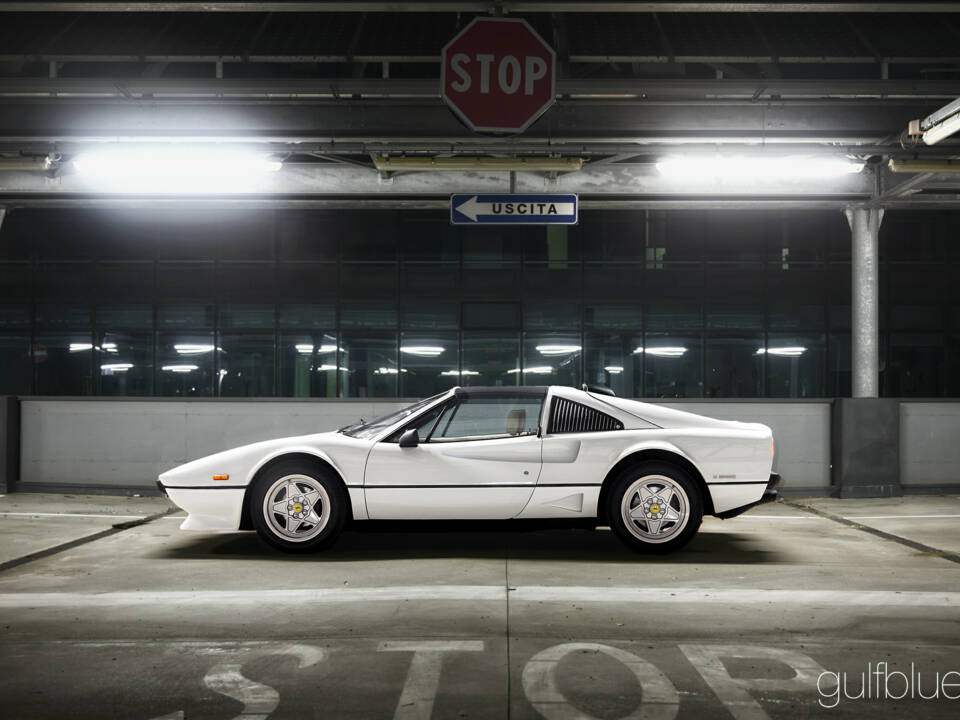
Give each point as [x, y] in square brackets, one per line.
[654, 507]
[298, 507]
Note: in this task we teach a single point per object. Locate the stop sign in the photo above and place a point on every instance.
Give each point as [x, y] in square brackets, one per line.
[498, 75]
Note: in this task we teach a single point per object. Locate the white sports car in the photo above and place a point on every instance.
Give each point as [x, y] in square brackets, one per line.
[649, 472]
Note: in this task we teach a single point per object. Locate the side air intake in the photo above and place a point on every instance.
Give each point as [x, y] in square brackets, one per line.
[567, 416]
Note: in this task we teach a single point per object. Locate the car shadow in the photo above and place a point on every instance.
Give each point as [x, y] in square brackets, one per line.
[373, 541]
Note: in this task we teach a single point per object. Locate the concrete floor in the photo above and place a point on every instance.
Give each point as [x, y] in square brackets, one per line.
[150, 622]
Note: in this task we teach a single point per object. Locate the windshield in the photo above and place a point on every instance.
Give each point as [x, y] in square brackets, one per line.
[367, 430]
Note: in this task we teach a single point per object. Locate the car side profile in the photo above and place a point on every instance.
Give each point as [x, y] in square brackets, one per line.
[489, 453]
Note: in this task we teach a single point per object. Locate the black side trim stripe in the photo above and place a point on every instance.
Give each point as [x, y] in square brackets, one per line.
[456, 487]
[204, 487]
[745, 482]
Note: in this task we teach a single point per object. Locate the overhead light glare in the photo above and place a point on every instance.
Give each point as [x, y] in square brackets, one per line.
[80, 347]
[758, 169]
[110, 368]
[192, 349]
[557, 349]
[179, 368]
[789, 351]
[614, 369]
[459, 373]
[942, 130]
[422, 350]
[666, 351]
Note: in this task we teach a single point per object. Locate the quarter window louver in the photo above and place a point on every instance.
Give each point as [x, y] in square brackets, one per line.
[567, 416]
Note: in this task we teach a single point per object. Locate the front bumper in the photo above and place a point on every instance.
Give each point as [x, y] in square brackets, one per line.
[770, 494]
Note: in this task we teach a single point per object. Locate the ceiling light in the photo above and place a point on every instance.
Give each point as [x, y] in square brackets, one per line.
[942, 130]
[192, 349]
[790, 351]
[114, 367]
[174, 168]
[614, 369]
[665, 351]
[536, 370]
[328, 348]
[304, 349]
[179, 368]
[422, 350]
[456, 373]
[80, 347]
[557, 349]
[757, 169]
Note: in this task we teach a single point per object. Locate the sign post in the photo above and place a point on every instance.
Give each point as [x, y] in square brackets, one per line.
[513, 209]
[498, 75]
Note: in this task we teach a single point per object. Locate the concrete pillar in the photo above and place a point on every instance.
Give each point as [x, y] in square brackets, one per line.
[865, 305]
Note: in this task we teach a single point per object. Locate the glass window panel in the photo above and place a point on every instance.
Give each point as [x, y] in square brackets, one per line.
[125, 363]
[789, 317]
[63, 316]
[185, 364]
[674, 317]
[551, 316]
[368, 365]
[307, 316]
[495, 247]
[368, 236]
[138, 316]
[188, 280]
[368, 316]
[734, 317]
[123, 280]
[670, 241]
[796, 238]
[734, 236]
[795, 365]
[552, 359]
[613, 235]
[610, 360]
[246, 365]
[629, 317]
[429, 240]
[916, 317]
[16, 368]
[840, 317]
[913, 236]
[429, 363]
[734, 367]
[308, 364]
[185, 315]
[839, 374]
[15, 281]
[307, 234]
[915, 366]
[491, 315]
[557, 248]
[67, 282]
[429, 316]
[477, 418]
[953, 369]
[63, 362]
[673, 365]
[13, 316]
[491, 359]
[246, 316]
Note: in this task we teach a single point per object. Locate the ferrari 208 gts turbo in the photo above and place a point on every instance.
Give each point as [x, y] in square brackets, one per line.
[648, 472]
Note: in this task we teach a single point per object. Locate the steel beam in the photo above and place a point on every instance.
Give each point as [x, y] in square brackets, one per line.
[865, 231]
[508, 6]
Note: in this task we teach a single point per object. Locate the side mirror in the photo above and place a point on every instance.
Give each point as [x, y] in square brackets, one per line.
[411, 438]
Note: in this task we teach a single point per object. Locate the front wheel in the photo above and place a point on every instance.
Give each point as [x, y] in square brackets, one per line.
[297, 507]
[655, 507]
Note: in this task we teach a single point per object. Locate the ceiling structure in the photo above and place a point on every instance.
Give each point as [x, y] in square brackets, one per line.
[331, 89]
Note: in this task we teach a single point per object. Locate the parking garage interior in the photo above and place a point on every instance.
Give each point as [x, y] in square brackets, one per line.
[274, 254]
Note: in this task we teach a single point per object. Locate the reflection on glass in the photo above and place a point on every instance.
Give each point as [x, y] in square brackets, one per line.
[430, 363]
[673, 365]
[185, 364]
[185, 315]
[16, 370]
[138, 316]
[794, 365]
[551, 354]
[491, 356]
[307, 316]
[610, 361]
[63, 362]
[246, 316]
[915, 367]
[308, 365]
[368, 365]
[125, 363]
[734, 369]
[246, 365]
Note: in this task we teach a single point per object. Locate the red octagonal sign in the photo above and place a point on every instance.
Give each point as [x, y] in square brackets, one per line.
[498, 75]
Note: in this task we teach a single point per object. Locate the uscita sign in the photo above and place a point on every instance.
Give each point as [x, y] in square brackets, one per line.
[513, 209]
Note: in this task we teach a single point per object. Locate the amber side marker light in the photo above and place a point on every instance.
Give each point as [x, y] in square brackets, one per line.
[221, 477]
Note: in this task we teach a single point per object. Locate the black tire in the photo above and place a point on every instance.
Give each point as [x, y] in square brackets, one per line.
[685, 502]
[320, 492]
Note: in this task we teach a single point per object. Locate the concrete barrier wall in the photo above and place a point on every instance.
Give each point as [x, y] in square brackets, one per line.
[122, 444]
[930, 445]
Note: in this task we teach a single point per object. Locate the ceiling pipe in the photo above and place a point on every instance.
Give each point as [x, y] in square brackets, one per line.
[910, 165]
[466, 164]
[26, 163]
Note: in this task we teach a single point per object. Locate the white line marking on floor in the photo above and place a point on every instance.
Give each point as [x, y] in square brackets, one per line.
[894, 517]
[76, 515]
[493, 593]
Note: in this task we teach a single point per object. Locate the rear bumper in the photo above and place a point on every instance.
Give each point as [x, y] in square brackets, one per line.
[770, 494]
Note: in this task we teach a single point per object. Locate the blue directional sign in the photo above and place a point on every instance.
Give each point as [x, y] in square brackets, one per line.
[513, 209]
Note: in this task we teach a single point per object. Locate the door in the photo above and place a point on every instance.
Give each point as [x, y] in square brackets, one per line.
[478, 458]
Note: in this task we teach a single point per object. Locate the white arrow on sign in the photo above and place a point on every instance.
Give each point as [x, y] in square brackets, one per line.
[471, 208]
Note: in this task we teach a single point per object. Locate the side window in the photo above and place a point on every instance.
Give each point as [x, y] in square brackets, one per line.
[567, 416]
[423, 424]
[485, 418]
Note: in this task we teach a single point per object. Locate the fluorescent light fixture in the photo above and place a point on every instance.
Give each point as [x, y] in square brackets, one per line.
[455, 373]
[942, 130]
[536, 370]
[179, 368]
[388, 371]
[328, 348]
[665, 351]
[110, 368]
[109, 347]
[192, 349]
[80, 347]
[304, 349]
[614, 369]
[327, 368]
[174, 168]
[755, 168]
[422, 350]
[789, 351]
[557, 349]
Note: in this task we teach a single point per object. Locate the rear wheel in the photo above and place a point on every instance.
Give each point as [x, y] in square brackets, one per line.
[655, 507]
[298, 507]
